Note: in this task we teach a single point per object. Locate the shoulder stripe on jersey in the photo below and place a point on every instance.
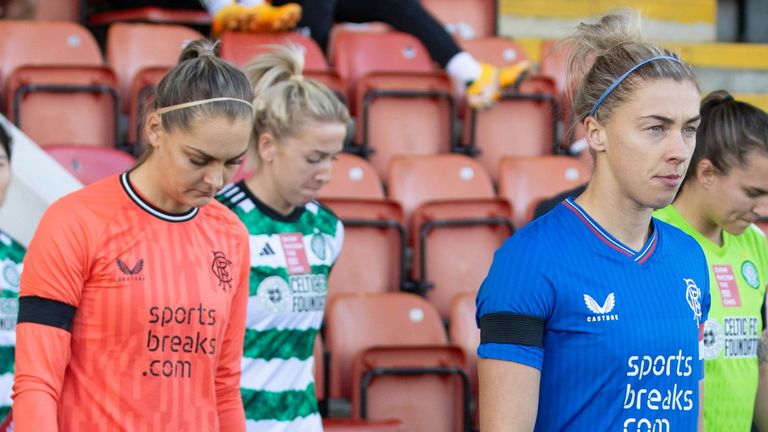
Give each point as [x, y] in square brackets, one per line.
[149, 208]
[510, 328]
[45, 311]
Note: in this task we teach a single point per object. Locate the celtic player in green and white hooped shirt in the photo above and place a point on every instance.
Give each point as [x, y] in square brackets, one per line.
[299, 127]
[11, 256]
[291, 256]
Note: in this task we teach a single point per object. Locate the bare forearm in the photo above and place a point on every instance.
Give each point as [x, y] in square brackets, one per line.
[509, 396]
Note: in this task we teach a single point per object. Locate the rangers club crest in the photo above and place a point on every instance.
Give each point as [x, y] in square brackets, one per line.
[221, 269]
[692, 295]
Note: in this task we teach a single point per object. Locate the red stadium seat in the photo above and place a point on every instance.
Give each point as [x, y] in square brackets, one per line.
[395, 334]
[520, 124]
[153, 15]
[90, 164]
[353, 425]
[46, 43]
[355, 322]
[59, 10]
[353, 178]
[403, 114]
[80, 102]
[443, 264]
[452, 203]
[372, 259]
[466, 19]
[401, 105]
[464, 333]
[133, 47]
[497, 51]
[525, 181]
[359, 53]
[415, 180]
[426, 387]
[240, 48]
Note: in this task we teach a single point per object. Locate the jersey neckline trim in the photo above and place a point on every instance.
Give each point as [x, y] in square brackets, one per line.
[639, 257]
[269, 211]
[136, 197]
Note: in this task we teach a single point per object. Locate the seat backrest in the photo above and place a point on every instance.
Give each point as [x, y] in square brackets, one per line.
[89, 164]
[466, 19]
[353, 178]
[440, 232]
[355, 322]
[403, 114]
[497, 51]
[357, 425]
[414, 180]
[372, 257]
[240, 48]
[360, 53]
[525, 181]
[81, 101]
[46, 43]
[464, 333]
[134, 46]
[432, 396]
[58, 10]
[517, 125]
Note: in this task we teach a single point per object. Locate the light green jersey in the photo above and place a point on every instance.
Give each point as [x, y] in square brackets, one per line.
[737, 273]
[291, 257]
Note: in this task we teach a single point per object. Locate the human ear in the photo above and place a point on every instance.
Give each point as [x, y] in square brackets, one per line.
[153, 128]
[595, 134]
[267, 147]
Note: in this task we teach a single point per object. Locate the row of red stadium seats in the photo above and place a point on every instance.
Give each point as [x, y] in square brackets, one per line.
[435, 205]
[401, 104]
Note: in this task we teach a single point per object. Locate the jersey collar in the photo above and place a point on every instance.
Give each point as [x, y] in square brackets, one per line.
[603, 235]
[145, 205]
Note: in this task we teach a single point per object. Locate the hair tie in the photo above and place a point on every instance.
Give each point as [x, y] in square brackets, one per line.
[618, 80]
[727, 98]
[164, 110]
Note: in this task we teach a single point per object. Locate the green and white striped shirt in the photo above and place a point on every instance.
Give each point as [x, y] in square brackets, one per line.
[291, 257]
[11, 256]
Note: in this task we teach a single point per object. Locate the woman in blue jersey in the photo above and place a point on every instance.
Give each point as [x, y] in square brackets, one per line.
[11, 256]
[724, 192]
[590, 316]
[299, 127]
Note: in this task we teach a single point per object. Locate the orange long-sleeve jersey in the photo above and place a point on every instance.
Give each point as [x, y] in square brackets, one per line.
[131, 318]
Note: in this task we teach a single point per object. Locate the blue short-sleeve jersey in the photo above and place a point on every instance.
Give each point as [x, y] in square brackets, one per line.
[621, 328]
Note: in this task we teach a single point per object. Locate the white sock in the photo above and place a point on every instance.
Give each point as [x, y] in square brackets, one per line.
[214, 6]
[251, 2]
[463, 68]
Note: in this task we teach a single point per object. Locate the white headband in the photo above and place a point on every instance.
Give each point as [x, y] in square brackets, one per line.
[164, 110]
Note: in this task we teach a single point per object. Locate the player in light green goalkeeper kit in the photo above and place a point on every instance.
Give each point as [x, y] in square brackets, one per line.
[723, 193]
[11, 256]
[299, 128]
